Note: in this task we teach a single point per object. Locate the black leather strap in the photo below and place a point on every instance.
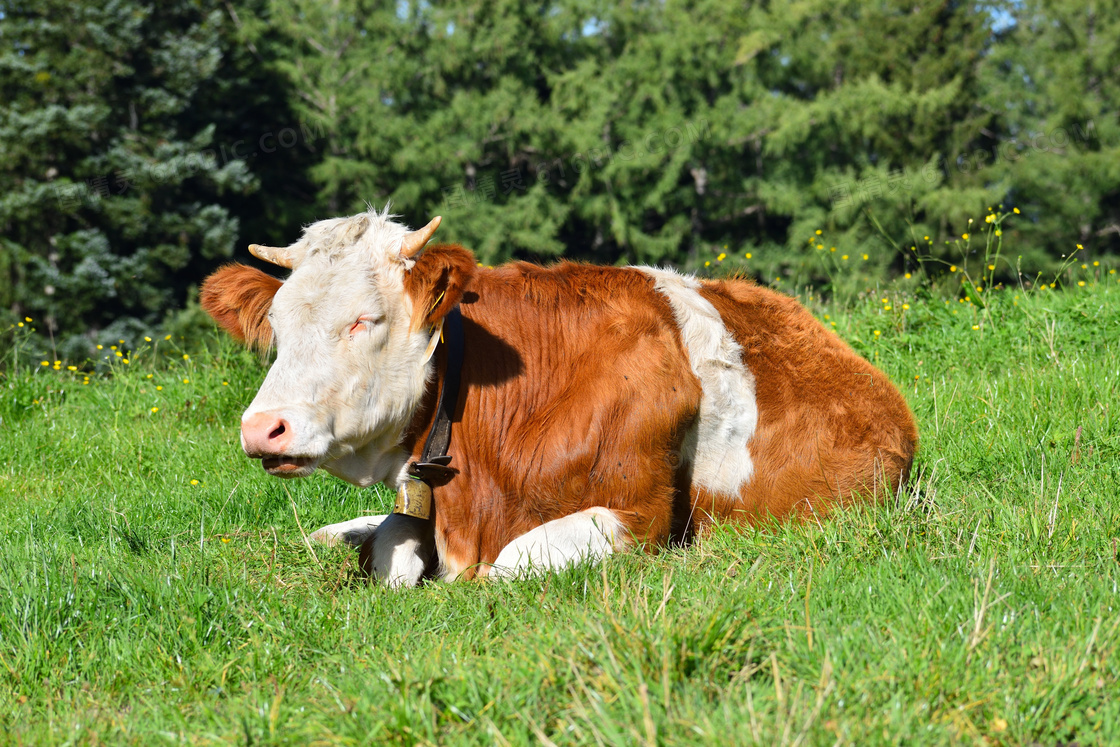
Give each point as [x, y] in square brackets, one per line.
[434, 460]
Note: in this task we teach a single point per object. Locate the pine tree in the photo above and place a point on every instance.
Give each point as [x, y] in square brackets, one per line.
[140, 146]
[435, 109]
[657, 132]
[119, 179]
[1057, 82]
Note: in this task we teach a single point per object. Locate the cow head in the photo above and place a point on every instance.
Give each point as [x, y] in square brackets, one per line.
[354, 327]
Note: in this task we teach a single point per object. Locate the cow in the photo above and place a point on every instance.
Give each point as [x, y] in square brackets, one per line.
[598, 408]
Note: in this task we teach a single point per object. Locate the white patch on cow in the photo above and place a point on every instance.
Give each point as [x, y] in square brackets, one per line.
[592, 534]
[402, 547]
[349, 374]
[721, 461]
[353, 532]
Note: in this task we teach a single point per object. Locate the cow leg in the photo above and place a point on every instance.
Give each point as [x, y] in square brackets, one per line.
[592, 534]
[399, 550]
[353, 532]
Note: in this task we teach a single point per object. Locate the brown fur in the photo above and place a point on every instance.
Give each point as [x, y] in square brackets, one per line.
[436, 282]
[830, 424]
[238, 298]
[577, 392]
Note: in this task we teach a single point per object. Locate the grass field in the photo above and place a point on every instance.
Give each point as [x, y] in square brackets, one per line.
[155, 585]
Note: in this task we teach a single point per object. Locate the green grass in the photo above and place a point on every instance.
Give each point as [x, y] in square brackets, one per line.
[979, 607]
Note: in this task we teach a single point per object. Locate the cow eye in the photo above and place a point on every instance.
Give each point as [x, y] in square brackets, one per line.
[365, 321]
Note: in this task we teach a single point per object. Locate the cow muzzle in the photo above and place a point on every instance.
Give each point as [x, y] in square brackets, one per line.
[268, 437]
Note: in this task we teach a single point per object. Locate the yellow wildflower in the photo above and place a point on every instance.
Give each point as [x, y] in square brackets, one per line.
[1015, 210]
[964, 236]
[194, 482]
[907, 276]
[721, 257]
[155, 409]
[952, 268]
[865, 258]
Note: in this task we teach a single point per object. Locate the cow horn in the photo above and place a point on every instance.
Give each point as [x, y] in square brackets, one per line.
[272, 254]
[414, 241]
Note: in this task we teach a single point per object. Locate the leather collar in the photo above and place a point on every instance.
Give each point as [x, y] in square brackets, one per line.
[434, 457]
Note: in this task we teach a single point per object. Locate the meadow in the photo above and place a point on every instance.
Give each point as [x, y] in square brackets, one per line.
[156, 585]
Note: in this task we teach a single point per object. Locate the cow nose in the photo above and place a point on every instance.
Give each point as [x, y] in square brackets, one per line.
[264, 434]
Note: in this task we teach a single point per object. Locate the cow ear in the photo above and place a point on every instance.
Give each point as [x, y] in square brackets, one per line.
[238, 298]
[436, 283]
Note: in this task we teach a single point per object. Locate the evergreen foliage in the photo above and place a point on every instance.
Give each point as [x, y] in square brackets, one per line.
[1057, 85]
[140, 144]
[121, 179]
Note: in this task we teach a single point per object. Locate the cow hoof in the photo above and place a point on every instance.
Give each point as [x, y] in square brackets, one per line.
[353, 532]
[398, 553]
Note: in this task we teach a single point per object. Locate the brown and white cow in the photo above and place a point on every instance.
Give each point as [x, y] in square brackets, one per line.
[600, 408]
